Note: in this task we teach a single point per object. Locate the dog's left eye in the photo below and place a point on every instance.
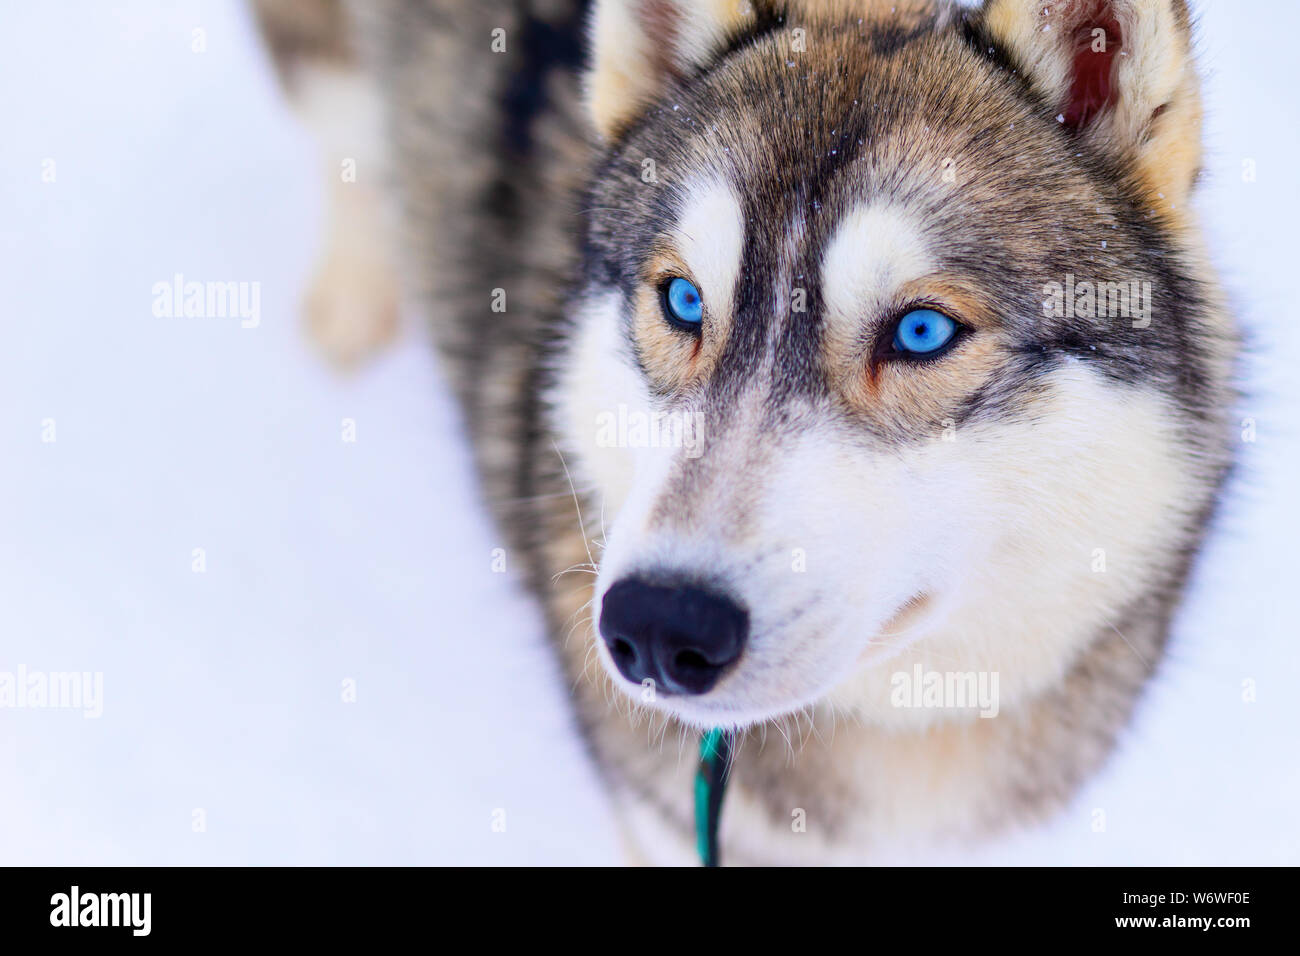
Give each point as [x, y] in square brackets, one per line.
[682, 304]
[923, 332]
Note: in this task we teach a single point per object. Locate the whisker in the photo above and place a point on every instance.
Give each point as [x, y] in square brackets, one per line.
[582, 527]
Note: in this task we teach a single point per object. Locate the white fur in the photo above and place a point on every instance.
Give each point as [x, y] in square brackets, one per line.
[710, 239]
[875, 249]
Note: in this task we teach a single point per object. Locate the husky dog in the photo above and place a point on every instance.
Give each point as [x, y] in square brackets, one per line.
[823, 358]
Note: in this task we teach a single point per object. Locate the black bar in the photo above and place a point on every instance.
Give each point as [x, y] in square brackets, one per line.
[335, 905]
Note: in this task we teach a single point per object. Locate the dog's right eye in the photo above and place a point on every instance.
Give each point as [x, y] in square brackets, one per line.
[682, 304]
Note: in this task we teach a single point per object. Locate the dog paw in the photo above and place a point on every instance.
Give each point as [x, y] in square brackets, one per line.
[351, 310]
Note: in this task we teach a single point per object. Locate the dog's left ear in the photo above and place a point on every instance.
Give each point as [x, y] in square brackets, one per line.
[1119, 73]
[639, 46]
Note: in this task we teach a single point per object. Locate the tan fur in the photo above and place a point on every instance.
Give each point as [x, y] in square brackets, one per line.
[351, 307]
[707, 248]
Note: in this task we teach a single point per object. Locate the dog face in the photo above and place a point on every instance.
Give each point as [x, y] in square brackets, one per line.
[834, 375]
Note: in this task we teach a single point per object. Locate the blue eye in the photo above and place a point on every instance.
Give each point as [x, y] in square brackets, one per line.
[683, 303]
[923, 331]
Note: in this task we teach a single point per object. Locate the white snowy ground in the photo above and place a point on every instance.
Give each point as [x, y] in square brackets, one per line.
[368, 561]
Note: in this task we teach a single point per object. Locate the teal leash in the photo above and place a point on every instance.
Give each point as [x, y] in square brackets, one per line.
[710, 788]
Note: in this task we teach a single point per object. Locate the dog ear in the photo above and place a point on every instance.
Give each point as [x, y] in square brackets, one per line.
[640, 46]
[1119, 74]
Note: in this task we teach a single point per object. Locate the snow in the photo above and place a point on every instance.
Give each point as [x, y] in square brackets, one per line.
[226, 736]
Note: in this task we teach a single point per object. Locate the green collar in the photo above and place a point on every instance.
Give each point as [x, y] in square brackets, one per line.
[710, 787]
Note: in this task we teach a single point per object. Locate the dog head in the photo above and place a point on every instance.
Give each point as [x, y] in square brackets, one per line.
[835, 374]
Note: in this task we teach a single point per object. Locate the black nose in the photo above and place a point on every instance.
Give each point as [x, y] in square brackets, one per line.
[682, 638]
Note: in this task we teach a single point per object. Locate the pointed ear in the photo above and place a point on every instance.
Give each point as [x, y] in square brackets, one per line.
[1117, 72]
[640, 46]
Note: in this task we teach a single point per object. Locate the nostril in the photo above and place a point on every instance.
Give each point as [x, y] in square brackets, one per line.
[623, 650]
[690, 660]
[688, 670]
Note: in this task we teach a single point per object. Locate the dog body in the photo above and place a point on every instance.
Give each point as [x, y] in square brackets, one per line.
[1014, 515]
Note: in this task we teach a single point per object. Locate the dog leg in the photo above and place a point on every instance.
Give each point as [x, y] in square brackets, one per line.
[351, 309]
